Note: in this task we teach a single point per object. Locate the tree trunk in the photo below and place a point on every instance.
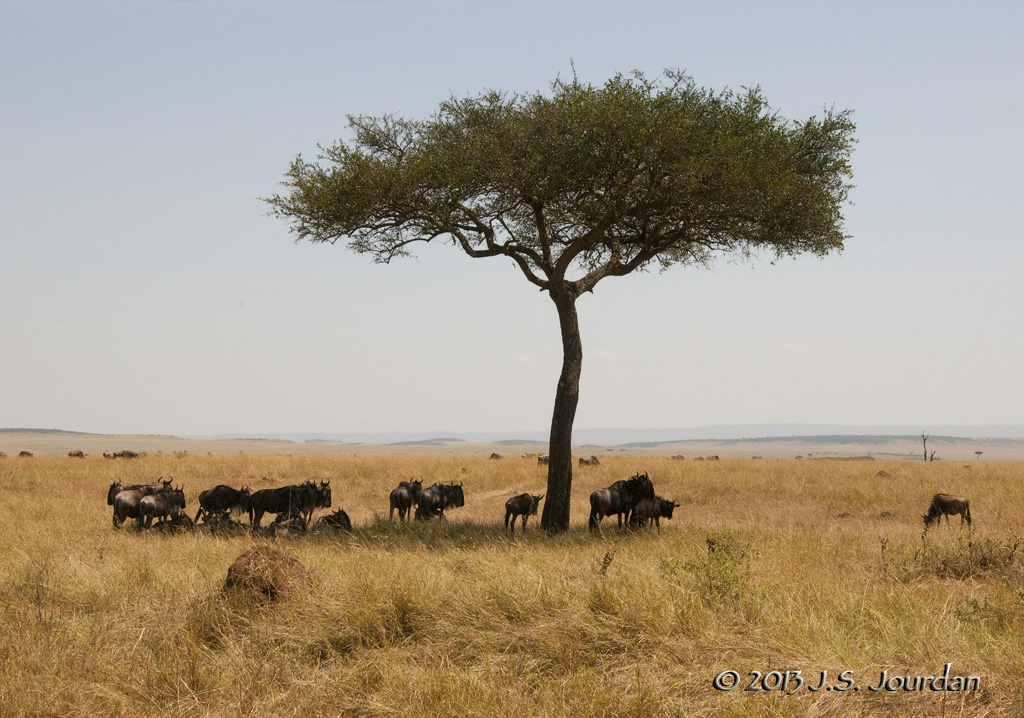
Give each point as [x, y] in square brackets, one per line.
[555, 517]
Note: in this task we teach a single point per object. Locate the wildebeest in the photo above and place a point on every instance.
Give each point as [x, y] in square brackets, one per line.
[651, 511]
[223, 498]
[302, 499]
[524, 505]
[126, 499]
[143, 489]
[3, 455]
[947, 505]
[338, 520]
[543, 460]
[494, 455]
[435, 499]
[162, 505]
[25, 453]
[220, 523]
[620, 498]
[404, 497]
[79, 454]
[125, 454]
[592, 461]
[177, 523]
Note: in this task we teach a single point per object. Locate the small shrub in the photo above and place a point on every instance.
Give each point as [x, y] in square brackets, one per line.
[967, 559]
[723, 574]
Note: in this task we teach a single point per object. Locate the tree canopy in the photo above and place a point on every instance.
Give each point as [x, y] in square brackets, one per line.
[584, 183]
[580, 184]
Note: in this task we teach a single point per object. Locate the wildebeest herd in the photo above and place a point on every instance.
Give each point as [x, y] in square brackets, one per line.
[632, 501]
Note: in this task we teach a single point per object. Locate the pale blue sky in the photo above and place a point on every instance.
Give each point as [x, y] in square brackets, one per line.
[144, 289]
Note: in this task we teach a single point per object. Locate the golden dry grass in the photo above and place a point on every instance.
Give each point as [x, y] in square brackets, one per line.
[460, 619]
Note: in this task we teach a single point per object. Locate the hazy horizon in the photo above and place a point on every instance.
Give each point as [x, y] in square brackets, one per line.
[145, 289]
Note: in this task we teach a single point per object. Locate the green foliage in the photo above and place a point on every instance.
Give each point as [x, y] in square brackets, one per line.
[722, 575]
[604, 180]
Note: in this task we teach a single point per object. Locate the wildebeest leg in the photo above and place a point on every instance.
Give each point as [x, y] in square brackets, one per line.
[254, 521]
[524, 523]
[508, 512]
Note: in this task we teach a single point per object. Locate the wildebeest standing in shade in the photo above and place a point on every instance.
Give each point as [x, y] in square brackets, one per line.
[947, 505]
[125, 499]
[522, 505]
[162, 505]
[620, 498]
[223, 498]
[651, 511]
[301, 499]
[435, 499]
[323, 499]
[404, 497]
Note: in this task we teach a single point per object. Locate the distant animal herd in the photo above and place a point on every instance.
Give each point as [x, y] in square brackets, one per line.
[632, 501]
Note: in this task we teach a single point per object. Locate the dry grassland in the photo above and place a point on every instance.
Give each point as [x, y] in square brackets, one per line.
[459, 619]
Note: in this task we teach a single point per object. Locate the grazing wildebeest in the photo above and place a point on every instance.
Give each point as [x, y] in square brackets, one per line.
[522, 505]
[301, 499]
[25, 453]
[338, 520]
[162, 504]
[592, 461]
[223, 498]
[494, 455]
[79, 454]
[435, 499]
[543, 460]
[651, 511]
[404, 497]
[947, 505]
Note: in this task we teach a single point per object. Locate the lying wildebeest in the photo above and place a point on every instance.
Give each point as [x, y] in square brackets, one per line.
[25, 453]
[79, 454]
[404, 497]
[289, 522]
[523, 505]
[177, 523]
[223, 498]
[592, 461]
[651, 511]
[543, 460]
[338, 520]
[435, 499]
[620, 498]
[302, 499]
[220, 523]
[494, 455]
[947, 505]
[162, 505]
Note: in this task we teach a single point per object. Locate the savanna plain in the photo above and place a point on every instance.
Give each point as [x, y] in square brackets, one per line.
[768, 565]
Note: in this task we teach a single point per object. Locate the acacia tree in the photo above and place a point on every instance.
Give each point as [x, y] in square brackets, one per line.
[579, 184]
